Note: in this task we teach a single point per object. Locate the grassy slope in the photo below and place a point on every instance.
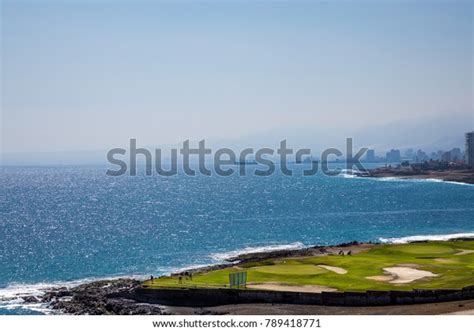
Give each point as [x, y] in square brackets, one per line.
[455, 271]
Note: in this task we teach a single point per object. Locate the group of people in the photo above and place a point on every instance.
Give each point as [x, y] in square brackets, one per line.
[187, 275]
[341, 252]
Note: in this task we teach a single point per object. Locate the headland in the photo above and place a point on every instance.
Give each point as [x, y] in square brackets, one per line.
[428, 170]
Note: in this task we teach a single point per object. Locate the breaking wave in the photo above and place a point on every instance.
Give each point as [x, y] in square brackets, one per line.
[433, 237]
[399, 179]
[13, 296]
[257, 249]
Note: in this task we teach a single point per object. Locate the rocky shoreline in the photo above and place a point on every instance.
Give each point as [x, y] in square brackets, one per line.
[105, 297]
[116, 296]
[465, 176]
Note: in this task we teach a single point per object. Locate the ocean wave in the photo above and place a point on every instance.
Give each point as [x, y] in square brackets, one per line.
[20, 305]
[345, 175]
[188, 267]
[433, 237]
[257, 249]
[350, 173]
[456, 183]
[11, 296]
[418, 180]
[13, 292]
[399, 179]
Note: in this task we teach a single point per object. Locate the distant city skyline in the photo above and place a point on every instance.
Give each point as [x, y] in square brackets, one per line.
[395, 155]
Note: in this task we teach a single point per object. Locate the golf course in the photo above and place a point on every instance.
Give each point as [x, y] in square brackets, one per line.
[424, 265]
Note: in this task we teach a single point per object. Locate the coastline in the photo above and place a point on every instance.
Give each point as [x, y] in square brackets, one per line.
[115, 296]
[464, 176]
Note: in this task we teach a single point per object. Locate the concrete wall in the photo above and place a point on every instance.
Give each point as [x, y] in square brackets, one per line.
[213, 297]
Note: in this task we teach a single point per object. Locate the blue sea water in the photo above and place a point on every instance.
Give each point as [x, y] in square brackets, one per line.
[62, 224]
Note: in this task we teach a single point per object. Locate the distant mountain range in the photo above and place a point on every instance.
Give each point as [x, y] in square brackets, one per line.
[430, 135]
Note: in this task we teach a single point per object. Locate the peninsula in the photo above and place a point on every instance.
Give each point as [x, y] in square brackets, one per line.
[427, 170]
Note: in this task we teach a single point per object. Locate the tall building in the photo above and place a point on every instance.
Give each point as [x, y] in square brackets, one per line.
[452, 155]
[447, 156]
[421, 156]
[370, 156]
[393, 156]
[409, 154]
[456, 154]
[469, 153]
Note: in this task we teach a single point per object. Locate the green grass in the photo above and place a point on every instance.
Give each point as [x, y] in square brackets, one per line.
[301, 269]
[455, 271]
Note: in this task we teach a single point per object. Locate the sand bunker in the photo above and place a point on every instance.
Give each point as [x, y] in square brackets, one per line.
[464, 252]
[402, 275]
[409, 265]
[291, 288]
[382, 278]
[337, 270]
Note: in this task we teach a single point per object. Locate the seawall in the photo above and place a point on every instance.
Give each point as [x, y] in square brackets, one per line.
[198, 297]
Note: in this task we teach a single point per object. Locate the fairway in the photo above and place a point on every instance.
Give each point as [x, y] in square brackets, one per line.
[290, 269]
[427, 248]
[433, 265]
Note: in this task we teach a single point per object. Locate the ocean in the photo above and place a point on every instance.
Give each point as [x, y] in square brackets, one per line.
[63, 225]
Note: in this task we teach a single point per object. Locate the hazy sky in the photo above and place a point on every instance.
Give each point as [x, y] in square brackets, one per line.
[84, 75]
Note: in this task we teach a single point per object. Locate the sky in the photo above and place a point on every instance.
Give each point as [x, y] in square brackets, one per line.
[83, 75]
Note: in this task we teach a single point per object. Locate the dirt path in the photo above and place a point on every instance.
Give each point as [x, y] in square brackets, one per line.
[291, 288]
[464, 252]
[337, 270]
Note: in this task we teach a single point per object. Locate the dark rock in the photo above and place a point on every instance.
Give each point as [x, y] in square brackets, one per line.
[30, 299]
[63, 293]
[107, 297]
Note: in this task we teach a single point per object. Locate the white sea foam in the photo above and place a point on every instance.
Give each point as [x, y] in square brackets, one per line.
[434, 237]
[350, 173]
[394, 179]
[404, 179]
[258, 249]
[456, 183]
[11, 296]
[344, 175]
[17, 290]
[189, 267]
[417, 180]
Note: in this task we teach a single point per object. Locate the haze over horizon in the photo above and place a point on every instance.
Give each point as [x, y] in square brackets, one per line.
[90, 76]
